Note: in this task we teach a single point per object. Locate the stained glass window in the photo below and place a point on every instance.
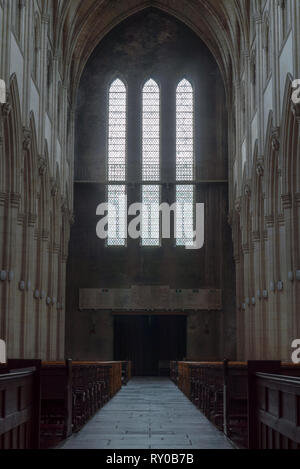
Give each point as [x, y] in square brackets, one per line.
[185, 215]
[151, 131]
[117, 134]
[184, 163]
[184, 132]
[151, 216]
[151, 164]
[117, 209]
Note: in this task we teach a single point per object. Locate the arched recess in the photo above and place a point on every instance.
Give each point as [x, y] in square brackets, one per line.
[95, 19]
[10, 176]
[42, 243]
[272, 182]
[257, 201]
[246, 220]
[259, 253]
[239, 263]
[248, 265]
[290, 151]
[273, 208]
[290, 154]
[44, 192]
[30, 169]
[55, 212]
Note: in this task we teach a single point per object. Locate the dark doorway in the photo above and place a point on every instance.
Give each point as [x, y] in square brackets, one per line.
[150, 342]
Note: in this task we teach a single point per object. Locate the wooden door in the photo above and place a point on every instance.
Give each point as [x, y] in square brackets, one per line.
[149, 342]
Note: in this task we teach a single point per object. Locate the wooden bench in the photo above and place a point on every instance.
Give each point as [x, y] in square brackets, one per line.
[126, 372]
[71, 393]
[274, 410]
[19, 409]
[220, 391]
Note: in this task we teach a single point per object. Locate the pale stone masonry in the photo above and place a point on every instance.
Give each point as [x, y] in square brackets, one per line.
[44, 46]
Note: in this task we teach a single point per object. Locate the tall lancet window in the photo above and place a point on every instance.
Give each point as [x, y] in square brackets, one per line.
[185, 163]
[116, 164]
[151, 165]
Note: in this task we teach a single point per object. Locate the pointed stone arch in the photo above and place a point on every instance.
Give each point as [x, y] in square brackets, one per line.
[257, 200]
[272, 170]
[55, 212]
[290, 152]
[12, 131]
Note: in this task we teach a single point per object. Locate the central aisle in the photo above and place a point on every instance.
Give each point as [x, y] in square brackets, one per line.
[149, 413]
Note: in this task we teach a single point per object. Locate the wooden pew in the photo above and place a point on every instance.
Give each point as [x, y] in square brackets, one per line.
[174, 372]
[220, 391]
[56, 406]
[19, 409]
[92, 384]
[274, 410]
[71, 393]
[126, 372]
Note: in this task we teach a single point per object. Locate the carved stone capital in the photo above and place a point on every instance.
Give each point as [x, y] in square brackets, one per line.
[275, 139]
[256, 236]
[237, 205]
[270, 220]
[45, 235]
[54, 189]
[281, 219]
[15, 200]
[297, 199]
[246, 248]
[27, 136]
[42, 165]
[247, 190]
[260, 169]
[31, 219]
[287, 200]
[3, 198]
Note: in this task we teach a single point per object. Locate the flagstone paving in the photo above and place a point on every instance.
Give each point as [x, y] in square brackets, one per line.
[149, 413]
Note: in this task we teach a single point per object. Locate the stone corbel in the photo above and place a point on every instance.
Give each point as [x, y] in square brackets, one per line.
[275, 139]
[260, 168]
[45, 19]
[54, 187]
[237, 205]
[27, 136]
[42, 163]
[286, 200]
[247, 191]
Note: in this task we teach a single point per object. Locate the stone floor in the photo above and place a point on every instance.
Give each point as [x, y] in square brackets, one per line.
[150, 413]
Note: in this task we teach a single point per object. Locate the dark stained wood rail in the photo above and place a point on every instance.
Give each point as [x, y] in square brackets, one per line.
[274, 412]
[71, 393]
[20, 409]
[126, 372]
[220, 391]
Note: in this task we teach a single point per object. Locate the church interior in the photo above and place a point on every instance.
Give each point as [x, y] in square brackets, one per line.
[117, 329]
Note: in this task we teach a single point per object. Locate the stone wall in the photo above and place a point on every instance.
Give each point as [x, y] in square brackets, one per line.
[152, 45]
